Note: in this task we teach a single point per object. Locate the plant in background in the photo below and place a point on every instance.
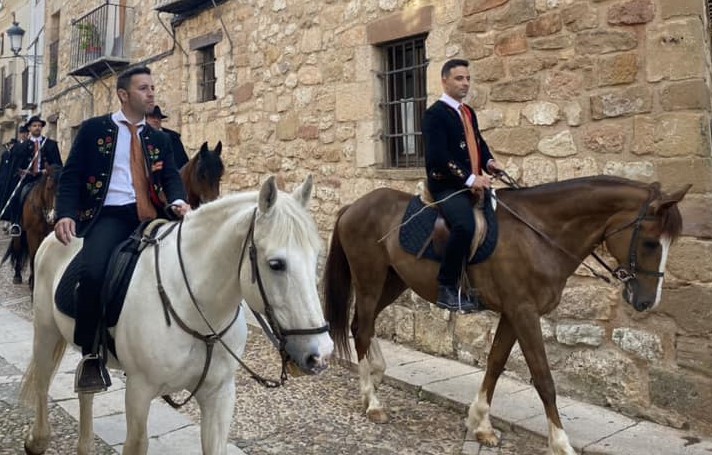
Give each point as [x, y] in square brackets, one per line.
[89, 38]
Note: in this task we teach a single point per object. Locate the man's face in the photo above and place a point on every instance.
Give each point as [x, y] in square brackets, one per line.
[457, 83]
[35, 129]
[23, 136]
[155, 122]
[139, 97]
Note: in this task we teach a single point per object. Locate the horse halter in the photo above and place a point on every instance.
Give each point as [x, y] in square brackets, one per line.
[275, 333]
[627, 274]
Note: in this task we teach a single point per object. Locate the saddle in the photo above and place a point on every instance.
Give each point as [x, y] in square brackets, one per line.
[425, 232]
[116, 282]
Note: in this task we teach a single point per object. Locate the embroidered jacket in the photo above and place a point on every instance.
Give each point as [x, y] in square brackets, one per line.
[447, 160]
[85, 178]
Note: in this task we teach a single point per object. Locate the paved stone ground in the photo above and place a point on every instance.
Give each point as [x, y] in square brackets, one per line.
[310, 415]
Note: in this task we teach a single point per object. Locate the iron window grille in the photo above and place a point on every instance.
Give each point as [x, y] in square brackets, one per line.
[404, 102]
[206, 73]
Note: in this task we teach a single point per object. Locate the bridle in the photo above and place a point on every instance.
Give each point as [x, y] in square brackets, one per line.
[274, 331]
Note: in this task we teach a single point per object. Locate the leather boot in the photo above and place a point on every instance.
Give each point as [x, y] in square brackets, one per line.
[450, 299]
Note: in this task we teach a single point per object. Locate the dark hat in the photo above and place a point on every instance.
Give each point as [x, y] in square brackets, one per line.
[33, 119]
[23, 129]
[157, 113]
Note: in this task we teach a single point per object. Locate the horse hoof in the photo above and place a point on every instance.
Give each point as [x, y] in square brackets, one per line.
[487, 438]
[30, 452]
[377, 416]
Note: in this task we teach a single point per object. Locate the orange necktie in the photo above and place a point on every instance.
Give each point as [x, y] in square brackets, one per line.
[139, 176]
[36, 159]
[472, 145]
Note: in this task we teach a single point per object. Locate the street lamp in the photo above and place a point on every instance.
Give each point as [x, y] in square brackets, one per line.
[15, 34]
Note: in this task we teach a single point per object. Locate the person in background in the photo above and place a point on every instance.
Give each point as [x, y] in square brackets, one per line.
[155, 119]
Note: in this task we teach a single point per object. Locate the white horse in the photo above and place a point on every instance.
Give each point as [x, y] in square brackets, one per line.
[159, 359]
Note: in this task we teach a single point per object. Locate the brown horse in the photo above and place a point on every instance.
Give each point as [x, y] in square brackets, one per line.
[37, 222]
[545, 232]
[202, 174]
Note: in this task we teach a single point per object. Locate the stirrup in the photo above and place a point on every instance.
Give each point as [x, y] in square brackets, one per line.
[15, 230]
[91, 375]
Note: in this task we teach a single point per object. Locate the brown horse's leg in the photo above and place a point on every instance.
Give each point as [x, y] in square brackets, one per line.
[478, 418]
[19, 260]
[531, 341]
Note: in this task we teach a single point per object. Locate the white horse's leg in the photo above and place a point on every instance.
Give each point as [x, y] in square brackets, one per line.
[378, 363]
[216, 409]
[47, 351]
[138, 402]
[558, 441]
[85, 444]
[478, 420]
[374, 408]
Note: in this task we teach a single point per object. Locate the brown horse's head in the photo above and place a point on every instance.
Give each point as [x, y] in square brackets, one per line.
[202, 175]
[641, 244]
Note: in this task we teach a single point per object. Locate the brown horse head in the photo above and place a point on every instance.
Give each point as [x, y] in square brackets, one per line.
[641, 242]
[202, 174]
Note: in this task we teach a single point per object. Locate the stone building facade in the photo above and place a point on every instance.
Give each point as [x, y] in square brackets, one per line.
[563, 88]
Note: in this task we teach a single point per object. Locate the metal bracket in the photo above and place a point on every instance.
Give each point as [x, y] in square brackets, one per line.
[171, 33]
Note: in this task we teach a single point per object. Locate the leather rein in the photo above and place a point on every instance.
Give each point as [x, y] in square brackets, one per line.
[621, 273]
[274, 332]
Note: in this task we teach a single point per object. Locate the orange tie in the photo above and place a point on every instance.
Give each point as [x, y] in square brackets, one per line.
[139, 176]
[472, 146]
[36, 159]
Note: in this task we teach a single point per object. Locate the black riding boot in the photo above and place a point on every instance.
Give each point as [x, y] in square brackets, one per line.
[92, 375]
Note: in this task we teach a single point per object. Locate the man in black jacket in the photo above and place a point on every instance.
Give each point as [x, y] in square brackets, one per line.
[155, 119]
[455, 156]
[29, 160]
[117, 168]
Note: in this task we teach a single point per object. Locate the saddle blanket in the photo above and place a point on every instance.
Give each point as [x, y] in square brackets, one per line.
[416, 232]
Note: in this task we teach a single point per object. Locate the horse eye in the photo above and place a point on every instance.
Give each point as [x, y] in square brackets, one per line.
[278, 265]
[651, 244]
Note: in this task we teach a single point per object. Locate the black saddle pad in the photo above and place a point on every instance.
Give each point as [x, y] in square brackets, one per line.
[417, 231]
[118, 276]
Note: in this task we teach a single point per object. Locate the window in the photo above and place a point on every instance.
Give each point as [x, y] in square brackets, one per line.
[6, 98]
[206, 73]
[53, 64]
[404, 98]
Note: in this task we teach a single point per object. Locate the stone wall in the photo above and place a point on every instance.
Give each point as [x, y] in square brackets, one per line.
[563, 88]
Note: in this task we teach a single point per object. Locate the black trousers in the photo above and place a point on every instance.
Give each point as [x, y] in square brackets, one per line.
[457, 211]
[114, 225]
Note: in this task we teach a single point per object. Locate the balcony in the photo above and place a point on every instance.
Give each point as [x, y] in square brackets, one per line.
[99, 41]
[184, 7]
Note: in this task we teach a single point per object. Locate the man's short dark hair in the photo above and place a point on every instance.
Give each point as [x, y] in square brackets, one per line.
[450, 64]
[124, 79]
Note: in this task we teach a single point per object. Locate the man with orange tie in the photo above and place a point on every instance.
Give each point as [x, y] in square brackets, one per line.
[116, 171]
[30, 160]
[455, 157]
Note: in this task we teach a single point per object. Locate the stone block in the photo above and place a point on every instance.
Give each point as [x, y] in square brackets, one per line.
[604, 41]
[538, 170]
[640, 343]
[628, 101]
[558, 145]
[681, 391]
[563, 85]
[517, 90]
[541, 113]
[516, 12]
[549, 43]
[690, 306]
[474, 334]
[511, 43]
[643, 171]
[404, 321]
[546, 24]
[580, 16]
[474, 48]
[477, 6]
[672, 8]
[309, 75]
[351, 105]
[432, 332]
[674, 172]
[696, 215]
[605, 138]
[490, 118]
[576, 167]
[489, 69]
[575, 334]
[631, 12]
[667, 42]
[528, 65]
[572, 112]
[410, 22]
[690, 260]
[311, 40]
[476, 23]
[512, 141]
[617, 69]
[688, 95]
[695, 353]
[287, 128]
[586, 302]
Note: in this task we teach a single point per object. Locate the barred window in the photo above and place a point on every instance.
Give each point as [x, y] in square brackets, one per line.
[206, 73]
[404, 98]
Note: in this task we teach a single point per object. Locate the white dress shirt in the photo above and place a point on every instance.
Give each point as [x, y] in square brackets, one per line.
[121, 190]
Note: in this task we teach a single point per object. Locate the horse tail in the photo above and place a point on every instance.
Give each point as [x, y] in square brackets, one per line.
[30, 381]
[18, 252]
[337, 291]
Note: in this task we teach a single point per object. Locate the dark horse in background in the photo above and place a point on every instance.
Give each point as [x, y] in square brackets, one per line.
[202, 174]
[545, 232]
[37, 221]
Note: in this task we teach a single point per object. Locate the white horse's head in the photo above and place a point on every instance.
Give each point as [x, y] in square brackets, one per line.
[284, 260]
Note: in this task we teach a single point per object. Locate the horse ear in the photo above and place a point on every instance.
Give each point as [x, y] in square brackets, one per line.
[218, 148]
[302, 193]
[268, 195]
[204, 148]
[668, 200]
